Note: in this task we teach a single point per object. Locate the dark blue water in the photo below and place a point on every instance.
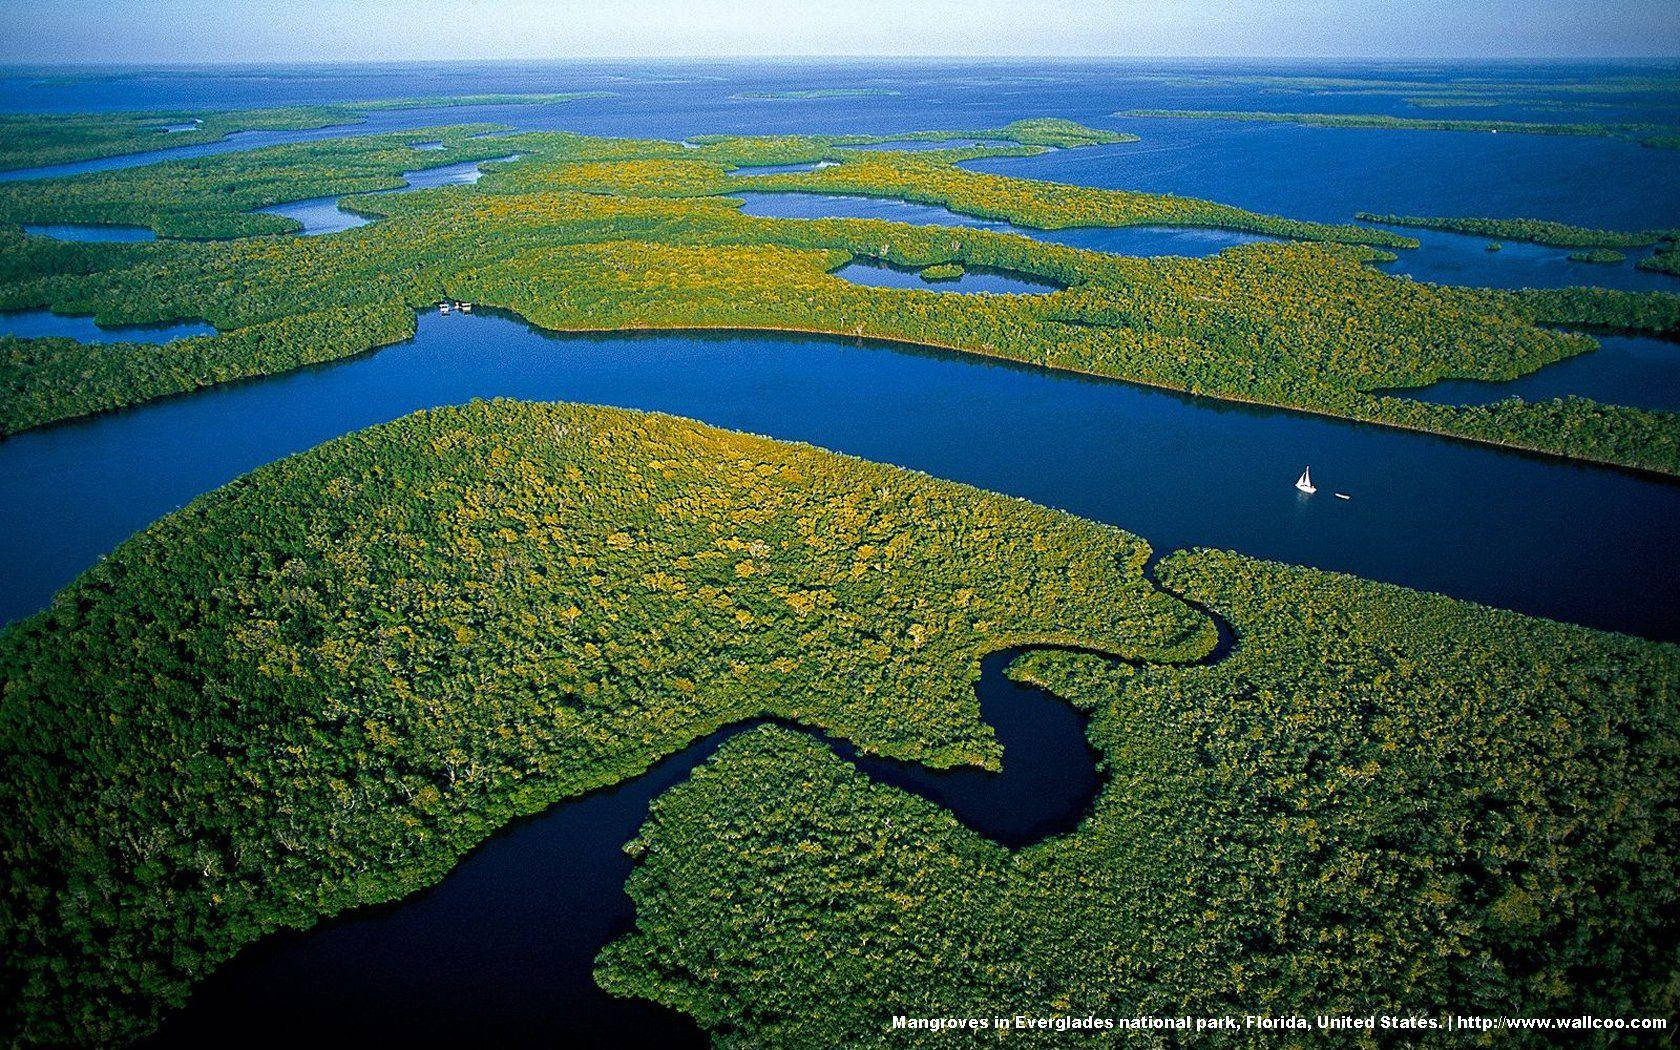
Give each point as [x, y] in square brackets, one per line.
[501, 951]
[1551, 538]
[35, 324]
[1625, 370]
[971, 281]
[70, 231]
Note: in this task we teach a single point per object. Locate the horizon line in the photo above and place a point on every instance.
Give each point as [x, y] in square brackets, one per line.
[18, 64]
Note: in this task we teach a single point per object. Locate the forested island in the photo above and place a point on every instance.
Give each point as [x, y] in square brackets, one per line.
[28, 140]
[586, 233]
[1656, 136]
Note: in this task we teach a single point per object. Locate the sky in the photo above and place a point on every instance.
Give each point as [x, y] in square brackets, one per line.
[198, 31]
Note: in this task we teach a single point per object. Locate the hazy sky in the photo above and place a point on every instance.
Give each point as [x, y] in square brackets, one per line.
[302, 30]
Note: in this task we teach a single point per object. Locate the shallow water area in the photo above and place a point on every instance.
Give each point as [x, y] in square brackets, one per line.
[1455, 258]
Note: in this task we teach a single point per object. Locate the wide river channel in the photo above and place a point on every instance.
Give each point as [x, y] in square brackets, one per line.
[502, 949]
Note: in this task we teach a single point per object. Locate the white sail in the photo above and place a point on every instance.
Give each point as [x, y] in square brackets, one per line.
[1304, 482]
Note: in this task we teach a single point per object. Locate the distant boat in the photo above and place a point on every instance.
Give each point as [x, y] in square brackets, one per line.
[1343, 495]
[443, 308]
[1304, 482]
[465, 308]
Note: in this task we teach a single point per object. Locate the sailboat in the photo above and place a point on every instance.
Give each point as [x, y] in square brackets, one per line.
[1304, 482]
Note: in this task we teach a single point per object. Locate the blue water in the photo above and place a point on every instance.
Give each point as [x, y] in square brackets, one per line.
[1546, 537]
[502, 948]
[35, 324]
[1331, 174]
[925, 145]
[1625, 370]
[972, 280]
[1125, 240]
[319, 215]
[1453, 258]
[70, 231]
[322, 215]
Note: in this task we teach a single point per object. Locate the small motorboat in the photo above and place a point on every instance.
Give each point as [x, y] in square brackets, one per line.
[443, 308]
[1343, 495]
[1304, 482]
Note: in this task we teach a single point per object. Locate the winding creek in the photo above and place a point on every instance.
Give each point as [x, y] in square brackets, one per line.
[501, 950]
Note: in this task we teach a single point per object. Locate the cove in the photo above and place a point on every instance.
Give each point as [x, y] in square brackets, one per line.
[1568, 541]
[322, 215]
[1120, 240]
[1637, 371]
[501, 950]
[1456, 258]
[37, 324]
[973, 280]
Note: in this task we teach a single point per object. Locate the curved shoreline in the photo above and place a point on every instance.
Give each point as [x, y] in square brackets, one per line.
[962, 791]
[1650, 473]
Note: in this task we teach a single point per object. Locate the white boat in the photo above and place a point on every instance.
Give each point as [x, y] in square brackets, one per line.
[1343, 495]
[465, 308]
[443, 308]
[1304, 482]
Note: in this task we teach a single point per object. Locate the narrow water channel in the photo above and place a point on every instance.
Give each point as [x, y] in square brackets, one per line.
[501, 951]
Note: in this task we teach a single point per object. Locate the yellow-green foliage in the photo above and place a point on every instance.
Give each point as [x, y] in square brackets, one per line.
[320, 685]
[1381, 802]
[607, 233]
